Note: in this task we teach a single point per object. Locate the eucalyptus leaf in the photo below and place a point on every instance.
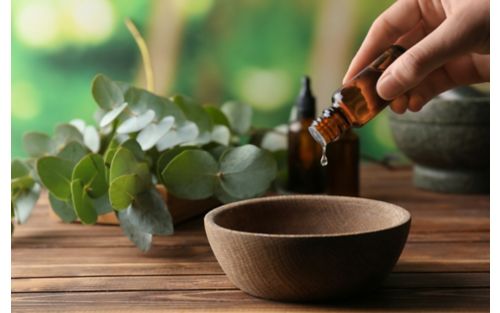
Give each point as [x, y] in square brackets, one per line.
[64, 134]
[63, 209]
[19, 184]
[136, 123]
[277, 139]
[91, 138]
[79, 124]
[102, 204]
[221, 134]
[25, 202]
[123, 190]
[73, 152]
[91, 173]
[184, 133]
[152, 133]
[194, 112]
[218, 117]
[110, 116]
[223, 196]
[239, 116]
[149, 213]
[168, 155]
[106, 92]
[247, 171]
[191, 175]
[141, 239]
[55, 174]
[141, 100]
[82, 203]
[37, 144]
[133, 146]
[18, 169]
[124, 162]
[110, 151]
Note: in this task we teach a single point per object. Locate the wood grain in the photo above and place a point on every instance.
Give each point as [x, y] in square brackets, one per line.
[60, 267]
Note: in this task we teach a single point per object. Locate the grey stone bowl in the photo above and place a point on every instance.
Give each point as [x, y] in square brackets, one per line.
[449, 142]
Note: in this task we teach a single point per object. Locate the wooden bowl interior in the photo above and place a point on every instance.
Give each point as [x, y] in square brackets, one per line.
[310, 215]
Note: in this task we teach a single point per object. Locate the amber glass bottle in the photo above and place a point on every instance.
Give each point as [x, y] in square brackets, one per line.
[305, 174]
[356, 103]
[342, 171]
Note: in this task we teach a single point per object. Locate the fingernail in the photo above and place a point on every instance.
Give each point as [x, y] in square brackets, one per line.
[387, 87]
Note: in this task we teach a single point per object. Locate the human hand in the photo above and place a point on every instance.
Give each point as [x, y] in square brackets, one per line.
[448, 45]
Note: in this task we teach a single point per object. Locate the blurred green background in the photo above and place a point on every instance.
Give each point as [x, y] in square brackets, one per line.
[254, 51]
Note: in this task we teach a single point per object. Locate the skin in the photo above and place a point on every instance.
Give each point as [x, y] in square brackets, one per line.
[447, 42]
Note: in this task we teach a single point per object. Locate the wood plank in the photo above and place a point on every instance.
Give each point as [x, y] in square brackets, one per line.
[394, 300]
[217, 282]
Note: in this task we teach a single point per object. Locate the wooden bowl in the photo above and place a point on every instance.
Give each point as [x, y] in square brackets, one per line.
[307, 247]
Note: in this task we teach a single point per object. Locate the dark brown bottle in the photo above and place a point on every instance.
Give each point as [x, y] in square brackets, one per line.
[305, 174]
[356, 103]
[342, 171]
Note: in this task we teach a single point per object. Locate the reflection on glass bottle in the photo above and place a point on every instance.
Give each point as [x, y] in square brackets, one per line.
[356, 103]
[342, 171]
[305, 174]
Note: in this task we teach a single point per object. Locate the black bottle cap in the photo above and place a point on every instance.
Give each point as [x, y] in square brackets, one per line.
[306, 103]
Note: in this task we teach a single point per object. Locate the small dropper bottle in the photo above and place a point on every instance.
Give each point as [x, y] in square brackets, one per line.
[305, 174]
[355, 103]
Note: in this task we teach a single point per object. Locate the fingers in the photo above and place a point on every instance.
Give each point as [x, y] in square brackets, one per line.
[464, 70]
[396, 21]
[441, 45]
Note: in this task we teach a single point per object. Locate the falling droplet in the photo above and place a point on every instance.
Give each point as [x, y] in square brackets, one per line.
[324, 159]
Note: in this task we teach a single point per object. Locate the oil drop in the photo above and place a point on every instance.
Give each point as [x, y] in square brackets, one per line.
[324, 159]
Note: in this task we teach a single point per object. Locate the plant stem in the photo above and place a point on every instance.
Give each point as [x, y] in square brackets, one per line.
[143, 48]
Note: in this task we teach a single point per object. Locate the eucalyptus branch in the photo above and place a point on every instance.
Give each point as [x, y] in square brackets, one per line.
[143, 48]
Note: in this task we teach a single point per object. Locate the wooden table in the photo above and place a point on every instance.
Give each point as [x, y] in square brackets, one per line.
[58, 267]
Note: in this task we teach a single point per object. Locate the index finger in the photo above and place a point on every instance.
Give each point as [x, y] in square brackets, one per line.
[397, 20]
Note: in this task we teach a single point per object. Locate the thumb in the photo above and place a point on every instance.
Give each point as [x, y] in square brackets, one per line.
[445, 42]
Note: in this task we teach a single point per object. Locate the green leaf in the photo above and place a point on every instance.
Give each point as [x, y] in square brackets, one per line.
[217, 116]
[123, 190]
[124, 163]
[107, 93]
[223, 196]
[37, 144]
[73, 152]
[110, 151]
[215, 149]
[91, 138]
[141, 239]
[63, 209]
[64, 134]
[151, 134]
[167, 156]
[247, 171]
[239, 116]
[55, 174]
[194, 113]
[110, 116]
[25, 202]
[186, 132]
[191, 175]
[91, 173]
[17, 185]
[82, 203]
[149, 213]
[18, 169]
[221, 134]
[141, 100]
[133, 146]
[136, 123]
[102, 204]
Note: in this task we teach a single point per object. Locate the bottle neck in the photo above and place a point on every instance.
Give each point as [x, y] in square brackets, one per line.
[329, 126]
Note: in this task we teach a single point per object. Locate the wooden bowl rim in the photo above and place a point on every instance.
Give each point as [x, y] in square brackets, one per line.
[210, 216]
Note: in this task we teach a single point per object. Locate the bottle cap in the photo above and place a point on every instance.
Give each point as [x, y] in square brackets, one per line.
[306, 103]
